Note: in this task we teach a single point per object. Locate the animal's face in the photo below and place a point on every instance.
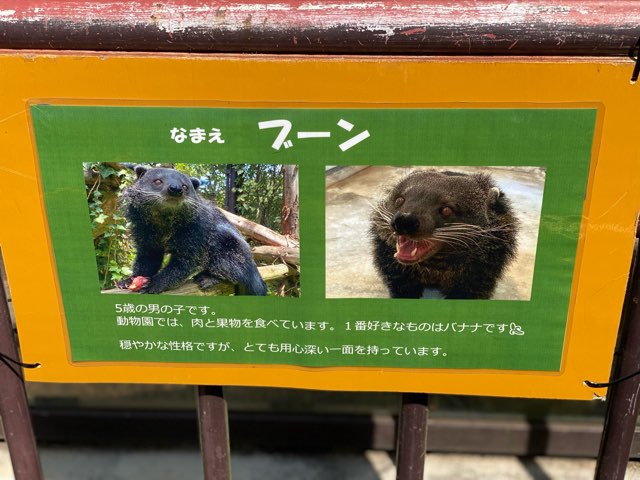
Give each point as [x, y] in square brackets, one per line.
[429, 210]
[166, 182]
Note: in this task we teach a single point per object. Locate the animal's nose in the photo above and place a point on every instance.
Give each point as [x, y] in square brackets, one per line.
[405, 223]
[175, 190]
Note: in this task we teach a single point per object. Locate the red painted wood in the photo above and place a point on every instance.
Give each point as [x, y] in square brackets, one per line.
[407, 27]
[379, 15]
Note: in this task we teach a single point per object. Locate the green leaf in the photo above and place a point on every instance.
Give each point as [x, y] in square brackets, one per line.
[107, 171]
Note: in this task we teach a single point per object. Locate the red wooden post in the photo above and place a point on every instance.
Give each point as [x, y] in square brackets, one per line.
[214, 433]
[622, 403]
[412, 436]
[14, 408]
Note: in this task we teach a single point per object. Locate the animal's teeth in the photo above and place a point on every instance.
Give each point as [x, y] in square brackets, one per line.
[413, 253]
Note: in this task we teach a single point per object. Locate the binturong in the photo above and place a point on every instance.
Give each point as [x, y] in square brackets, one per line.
[168, 216]
[443, 235]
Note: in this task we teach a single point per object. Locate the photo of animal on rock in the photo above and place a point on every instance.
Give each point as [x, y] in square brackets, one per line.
[448, 232]
[158, 229]
[432, 232]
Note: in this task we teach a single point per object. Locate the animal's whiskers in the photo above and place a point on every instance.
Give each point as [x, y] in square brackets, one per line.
[475, 233]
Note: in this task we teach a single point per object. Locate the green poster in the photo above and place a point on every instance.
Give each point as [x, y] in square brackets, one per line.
[428, 238]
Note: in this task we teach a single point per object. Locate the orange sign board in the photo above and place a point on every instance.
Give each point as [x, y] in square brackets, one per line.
[547, 140]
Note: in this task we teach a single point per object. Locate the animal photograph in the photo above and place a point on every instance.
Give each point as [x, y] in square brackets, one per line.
[195, 229]
[432, 232]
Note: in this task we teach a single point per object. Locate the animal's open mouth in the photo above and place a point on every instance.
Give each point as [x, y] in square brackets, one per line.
[413, 251]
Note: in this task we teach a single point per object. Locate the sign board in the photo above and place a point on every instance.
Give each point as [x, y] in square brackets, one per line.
[464, 226]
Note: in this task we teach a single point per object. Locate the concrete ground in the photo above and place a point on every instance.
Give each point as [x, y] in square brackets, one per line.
[64, 463]
[348, 246]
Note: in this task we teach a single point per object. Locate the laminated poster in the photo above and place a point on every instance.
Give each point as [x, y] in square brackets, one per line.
[428, 238]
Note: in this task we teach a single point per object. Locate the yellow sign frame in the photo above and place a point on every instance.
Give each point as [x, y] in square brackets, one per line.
[607, 231]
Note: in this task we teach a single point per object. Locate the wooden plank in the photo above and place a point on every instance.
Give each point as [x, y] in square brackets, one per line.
[289, 431]
[424, 27]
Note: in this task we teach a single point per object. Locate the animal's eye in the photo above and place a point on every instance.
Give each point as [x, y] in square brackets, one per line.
[446, 212]
[157, 181]
[398, 201]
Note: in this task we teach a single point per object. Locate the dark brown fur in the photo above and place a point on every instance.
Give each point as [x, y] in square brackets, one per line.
[466, 223]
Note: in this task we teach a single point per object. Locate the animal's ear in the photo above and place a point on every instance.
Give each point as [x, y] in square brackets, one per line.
[195, 182]
[494, 195]
[140, 171]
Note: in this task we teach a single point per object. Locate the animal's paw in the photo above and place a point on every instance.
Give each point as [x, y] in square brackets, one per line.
[124, 284]
[152, 288]
[205, 281]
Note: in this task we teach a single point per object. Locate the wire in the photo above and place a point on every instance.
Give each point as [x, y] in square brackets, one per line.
[591, 384]
[6, 358]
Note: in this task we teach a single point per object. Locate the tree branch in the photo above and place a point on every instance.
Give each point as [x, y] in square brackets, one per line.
[270, 254]
[267, 272]
[259, 232]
